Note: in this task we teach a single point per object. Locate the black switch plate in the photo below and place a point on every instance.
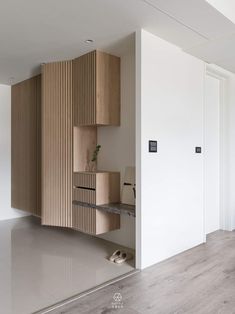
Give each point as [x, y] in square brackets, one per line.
[198, 150]
[153, 146]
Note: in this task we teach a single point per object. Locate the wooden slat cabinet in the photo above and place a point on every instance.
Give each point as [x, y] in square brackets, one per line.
[96, 89]
[96, 187]
[55, 135]
[57, 144]
[26, 145]
[93, 221]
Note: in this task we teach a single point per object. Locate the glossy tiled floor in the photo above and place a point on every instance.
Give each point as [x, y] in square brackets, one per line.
[40, 266]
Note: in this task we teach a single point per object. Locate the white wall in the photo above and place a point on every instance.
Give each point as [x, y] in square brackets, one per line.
[229, 160]
[212, 154]
[6, 212]
[227, 154]
[227, 146]
[170, 110]
[118, 144]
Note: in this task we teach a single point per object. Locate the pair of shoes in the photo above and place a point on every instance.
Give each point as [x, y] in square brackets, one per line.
[120, 257]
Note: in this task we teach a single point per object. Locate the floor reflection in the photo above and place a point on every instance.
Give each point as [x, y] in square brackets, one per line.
[40, 266]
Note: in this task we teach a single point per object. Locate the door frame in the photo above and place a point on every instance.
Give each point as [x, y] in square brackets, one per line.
[225, 213]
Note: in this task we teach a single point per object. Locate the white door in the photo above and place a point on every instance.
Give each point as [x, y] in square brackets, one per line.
[212, 154]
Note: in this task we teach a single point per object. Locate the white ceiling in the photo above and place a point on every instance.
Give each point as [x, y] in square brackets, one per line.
[226, 7]
[33, 32]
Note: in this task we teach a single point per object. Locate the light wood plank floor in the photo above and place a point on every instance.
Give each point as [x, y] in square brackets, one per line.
[201, 280]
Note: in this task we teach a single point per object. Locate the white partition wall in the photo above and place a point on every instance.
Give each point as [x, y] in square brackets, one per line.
[212, 160]
[226, 144]
[169, 86]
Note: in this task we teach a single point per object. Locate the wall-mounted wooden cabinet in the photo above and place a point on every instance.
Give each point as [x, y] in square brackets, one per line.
[26, 145]
[94, 221]
[96, 187]
[96, 89]
[55, 137]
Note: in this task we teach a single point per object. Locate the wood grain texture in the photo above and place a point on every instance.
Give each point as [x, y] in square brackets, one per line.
[96, 187]
[198, 281]
[84, 144]
[26, 146]
[93, 221]
[85, 179]
[108, 91]
[39, 144]
[84, 195]
[107, 188]
[106, 222]
[96, 89]
[57, 144]
[84, 89]
[84, 219]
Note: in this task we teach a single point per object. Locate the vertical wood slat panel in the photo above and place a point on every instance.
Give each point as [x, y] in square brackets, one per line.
[93, 221]
[84, 91]
[96, 95]
[25, 146]
[86, 179]
[57, 151]
[38, 144]
[96, 187]
[84, 219]
[83, 195]
[108, 94]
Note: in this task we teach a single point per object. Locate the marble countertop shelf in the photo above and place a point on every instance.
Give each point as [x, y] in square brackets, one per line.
[116, 208]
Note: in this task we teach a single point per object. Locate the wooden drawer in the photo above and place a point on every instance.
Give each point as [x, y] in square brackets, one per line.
[84, 195]
[94, 221]
[96, 187]
[84, 179]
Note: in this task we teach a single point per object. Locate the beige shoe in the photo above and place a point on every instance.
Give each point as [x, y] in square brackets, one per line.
[115, 255]
[124, 256]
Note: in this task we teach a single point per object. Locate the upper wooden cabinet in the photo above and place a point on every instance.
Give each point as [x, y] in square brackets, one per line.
[25, 145]
[96, 89]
